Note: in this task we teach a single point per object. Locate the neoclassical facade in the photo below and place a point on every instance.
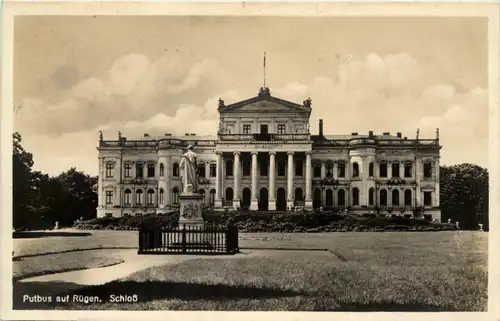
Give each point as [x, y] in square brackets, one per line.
[265, 158]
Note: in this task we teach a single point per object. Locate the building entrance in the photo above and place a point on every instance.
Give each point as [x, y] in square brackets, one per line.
[263, 199]
[281, 199]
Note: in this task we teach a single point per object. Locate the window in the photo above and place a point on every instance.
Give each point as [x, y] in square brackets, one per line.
[162, 170]
[395, 169]
[213, 170]
[281, 168]
[151, 194]
[395, 197]
[281, 128]
[128, 194]
[427, 170]
[175, 170]
[298, 167]
[264, 169]
[427, 198]
[246, 129]
[329, 169]
[138, 197]
[341, 170]
[109, 169]
[212, 197]
[139, 170]
[355, 196]
[201, 170]
[162, 195]
[383, 197]
[247, 167]
[317, 169]
[408, 197]
[341, 197]
[408, 170]
[383, 170]
[128, 170]
[298, 194]
[263, 129]
[229, 194]
[109, 197]
[175, 196]
[355, 170]
[371, 196]
[229, 167]
[151, 170]
[371, 170]
[109, 214]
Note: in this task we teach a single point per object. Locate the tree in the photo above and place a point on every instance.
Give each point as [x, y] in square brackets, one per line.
[22, 161]
[464, 195]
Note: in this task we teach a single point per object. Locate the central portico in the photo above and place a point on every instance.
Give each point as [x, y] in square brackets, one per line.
[264, 154]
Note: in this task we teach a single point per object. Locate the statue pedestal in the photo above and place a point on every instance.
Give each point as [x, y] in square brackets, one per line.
[191, 221]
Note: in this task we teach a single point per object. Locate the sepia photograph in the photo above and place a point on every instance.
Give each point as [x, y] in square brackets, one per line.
[249, 162]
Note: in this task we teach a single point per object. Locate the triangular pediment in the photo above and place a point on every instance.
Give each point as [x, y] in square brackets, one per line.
[265, 104]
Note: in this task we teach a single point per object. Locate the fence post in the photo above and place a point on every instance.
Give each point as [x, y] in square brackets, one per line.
[184, 238]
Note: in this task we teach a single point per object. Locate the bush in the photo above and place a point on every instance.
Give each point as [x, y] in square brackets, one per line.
[297, 222]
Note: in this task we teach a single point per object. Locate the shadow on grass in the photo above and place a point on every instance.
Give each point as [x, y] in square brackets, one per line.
[39, 234]
[391, 307]
[146, 292]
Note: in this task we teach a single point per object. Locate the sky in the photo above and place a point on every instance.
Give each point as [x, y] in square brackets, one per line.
[74, 76]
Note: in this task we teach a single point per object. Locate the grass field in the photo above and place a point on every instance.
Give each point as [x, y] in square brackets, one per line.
[435, 271]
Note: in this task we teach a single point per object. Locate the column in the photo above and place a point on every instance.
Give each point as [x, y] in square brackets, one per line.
[418, 180]
[100, 186]
[218, 178]
[308, 203]
[289, 188]
[272, 181]
[323, 170]
[389, 169]
[236, 176]
[207, 171]
[402, 169]
[436, 182]
[254, 203]
[335, 170]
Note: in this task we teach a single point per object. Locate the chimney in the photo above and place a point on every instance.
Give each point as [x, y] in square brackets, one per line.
[168, 134]
[354, 134]
[398, 134]
[370, 133]
[386, 133]
[192, 134]
[146, 135]
[321, 127]
[186, 134]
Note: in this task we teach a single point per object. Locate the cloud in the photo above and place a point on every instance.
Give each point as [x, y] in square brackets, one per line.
[137, 95]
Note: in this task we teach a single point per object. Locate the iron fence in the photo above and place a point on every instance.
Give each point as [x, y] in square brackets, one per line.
[188, 240]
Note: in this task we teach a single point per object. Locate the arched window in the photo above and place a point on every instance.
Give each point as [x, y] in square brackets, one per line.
[355, 196]
[383, 197]
[371, 196]
[395, 197]
[151, 197]
[298, 194]
[138, 197]
[175, 196]
[408, 197]
[212, 197]
[162, 170]
[128, 194]
[371, 170]
[427, 170]
[229, 194]
[329, 198]
[162, 195]
[355, 170]
[341, 197]
[175, 170]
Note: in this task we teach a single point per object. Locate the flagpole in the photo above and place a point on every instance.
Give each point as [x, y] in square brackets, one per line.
[264, 69]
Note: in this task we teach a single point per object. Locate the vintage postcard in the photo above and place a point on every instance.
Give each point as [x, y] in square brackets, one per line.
[249, 157]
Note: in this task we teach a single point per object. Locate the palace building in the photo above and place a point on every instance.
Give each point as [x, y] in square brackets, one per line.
[265, 158]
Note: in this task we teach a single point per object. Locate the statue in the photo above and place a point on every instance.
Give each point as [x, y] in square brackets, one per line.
[188, 170]
[307, 102]
[100, 136]
[418, 133]
[119, 135]
[437, 133]
[221, 103]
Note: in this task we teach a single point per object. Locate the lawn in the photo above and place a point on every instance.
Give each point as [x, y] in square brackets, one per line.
[62, 262]
[435, 271]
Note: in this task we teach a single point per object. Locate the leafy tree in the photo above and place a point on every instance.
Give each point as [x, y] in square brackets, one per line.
[464, 195]
[22, 161]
